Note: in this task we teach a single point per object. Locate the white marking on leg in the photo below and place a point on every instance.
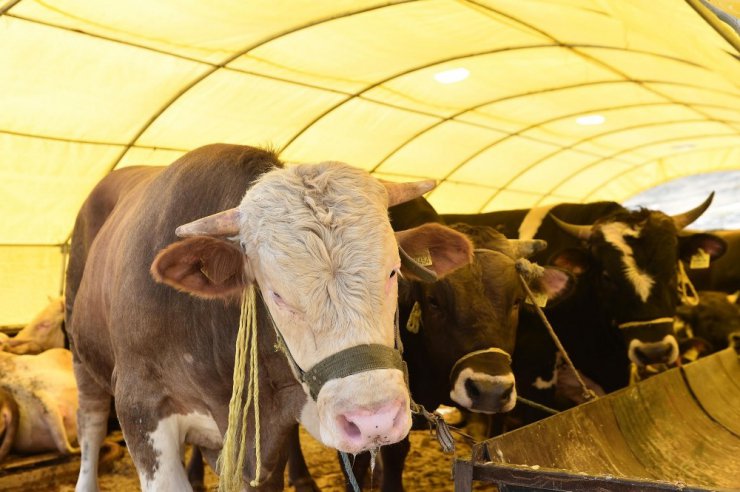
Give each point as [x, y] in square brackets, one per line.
[615, 233]
[168, 439]
[92, 428]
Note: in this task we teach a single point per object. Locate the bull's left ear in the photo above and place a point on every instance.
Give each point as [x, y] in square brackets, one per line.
[203, 266]
[556, 283]
[689, 244]
[436, 247]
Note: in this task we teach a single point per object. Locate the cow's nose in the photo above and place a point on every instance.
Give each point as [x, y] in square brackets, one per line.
[487, 395]
[654, 353]
[364, 429]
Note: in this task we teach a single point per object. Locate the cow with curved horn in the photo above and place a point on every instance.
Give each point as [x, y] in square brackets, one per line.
[626, 264]
[153, 320]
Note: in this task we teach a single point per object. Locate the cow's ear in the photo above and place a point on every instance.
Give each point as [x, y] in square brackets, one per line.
[689, 245]
[437, 247]
[556, 283]
[202, 266]
[574, 260]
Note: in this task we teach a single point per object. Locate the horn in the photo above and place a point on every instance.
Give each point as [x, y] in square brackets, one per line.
[732, 298]
[224, 223]
[524, 248]
[577, 231]
[686, 218]
[404, 192]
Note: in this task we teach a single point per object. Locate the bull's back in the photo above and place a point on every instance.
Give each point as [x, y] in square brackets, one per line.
[92, 215]
[120, 314]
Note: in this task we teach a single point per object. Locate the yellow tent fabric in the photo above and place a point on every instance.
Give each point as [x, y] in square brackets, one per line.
[89, 86]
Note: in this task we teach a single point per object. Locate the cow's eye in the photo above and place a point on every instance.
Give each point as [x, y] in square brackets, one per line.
[277, 299]
[393, 274]
[433, 302]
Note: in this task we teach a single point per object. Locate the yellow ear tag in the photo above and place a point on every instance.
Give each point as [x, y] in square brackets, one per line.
[700, 260]
[540, 298]
[424, 258]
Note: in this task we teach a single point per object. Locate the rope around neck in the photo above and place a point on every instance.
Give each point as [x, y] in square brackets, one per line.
[233, 454]
[588, 394]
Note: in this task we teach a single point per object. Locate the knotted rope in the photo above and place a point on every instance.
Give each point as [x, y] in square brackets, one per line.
[233, 454]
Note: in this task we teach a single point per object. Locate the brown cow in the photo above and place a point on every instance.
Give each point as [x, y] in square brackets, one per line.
[316, 242]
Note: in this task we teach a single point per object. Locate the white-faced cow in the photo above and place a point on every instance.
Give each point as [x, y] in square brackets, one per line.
[317, 243]
[458, 332]
[625, 300]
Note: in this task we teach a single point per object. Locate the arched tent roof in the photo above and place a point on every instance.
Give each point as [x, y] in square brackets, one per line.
[89, 86]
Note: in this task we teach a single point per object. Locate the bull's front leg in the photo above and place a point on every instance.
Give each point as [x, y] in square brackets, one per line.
[394, 460]
[298, 474]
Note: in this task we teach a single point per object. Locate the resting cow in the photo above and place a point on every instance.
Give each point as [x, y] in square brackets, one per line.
[316, 242]
[623, 307]
[38, 403]
[42, 333]
[459, 332]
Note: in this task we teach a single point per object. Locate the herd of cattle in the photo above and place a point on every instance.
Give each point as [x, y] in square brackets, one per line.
[161, 258]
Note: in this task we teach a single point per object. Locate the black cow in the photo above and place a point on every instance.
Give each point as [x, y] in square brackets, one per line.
[724, 273]
[626, 295]
[708, 326]
[458, 340]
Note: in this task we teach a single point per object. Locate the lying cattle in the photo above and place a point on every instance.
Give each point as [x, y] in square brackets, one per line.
[459, 334]
[709, 326]
[316, 242]
[722, 274]
[42, 333]
[38, 403]
[623, 307]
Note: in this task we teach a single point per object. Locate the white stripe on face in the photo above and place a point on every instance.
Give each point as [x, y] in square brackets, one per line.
[614, 233]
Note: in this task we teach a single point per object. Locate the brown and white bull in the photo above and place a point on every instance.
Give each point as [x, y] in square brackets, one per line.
[316, 242]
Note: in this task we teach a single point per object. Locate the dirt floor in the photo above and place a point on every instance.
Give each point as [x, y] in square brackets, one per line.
[427, 469]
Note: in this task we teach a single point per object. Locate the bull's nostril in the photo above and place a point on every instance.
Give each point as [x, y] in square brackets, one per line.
[507, 394]
[349, 428]
[472, 389]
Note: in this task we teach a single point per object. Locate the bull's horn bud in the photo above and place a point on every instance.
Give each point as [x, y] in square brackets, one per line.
[224, 223]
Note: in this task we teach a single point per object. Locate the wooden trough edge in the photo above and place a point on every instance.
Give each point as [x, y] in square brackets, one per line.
[510, 477]
[713, 411]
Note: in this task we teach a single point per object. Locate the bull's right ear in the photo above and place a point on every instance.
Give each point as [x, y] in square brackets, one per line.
[203, 266]
[436, 247]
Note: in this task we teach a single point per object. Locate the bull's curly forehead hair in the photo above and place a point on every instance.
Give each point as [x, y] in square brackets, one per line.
[326, 220]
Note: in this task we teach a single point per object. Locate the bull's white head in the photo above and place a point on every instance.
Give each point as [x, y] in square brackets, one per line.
[317, 241]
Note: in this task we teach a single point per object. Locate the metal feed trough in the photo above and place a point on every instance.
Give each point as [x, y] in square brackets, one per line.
[679, 430]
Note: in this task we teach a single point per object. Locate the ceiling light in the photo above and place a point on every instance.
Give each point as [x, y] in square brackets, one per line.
[590, 120]
[683, 146]
[452, 76]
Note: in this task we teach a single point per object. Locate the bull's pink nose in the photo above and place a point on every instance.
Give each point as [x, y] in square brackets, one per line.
[368, 428]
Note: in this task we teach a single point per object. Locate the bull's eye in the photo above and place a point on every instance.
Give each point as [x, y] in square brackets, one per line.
[277, 299]
[393, 274]
[433, 302]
